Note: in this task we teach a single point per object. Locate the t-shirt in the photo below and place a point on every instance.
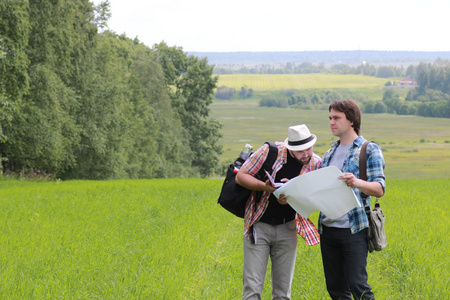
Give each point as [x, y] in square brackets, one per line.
[338, 160]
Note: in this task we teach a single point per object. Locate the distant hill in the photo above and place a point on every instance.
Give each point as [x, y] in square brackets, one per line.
[404, 58]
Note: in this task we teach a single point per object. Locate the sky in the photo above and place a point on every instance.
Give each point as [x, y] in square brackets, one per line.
[285, 25]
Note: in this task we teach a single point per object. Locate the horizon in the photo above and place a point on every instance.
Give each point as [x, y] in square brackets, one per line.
[284, 51]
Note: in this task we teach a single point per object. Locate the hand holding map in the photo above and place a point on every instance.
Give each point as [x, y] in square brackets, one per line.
[272, 180]
[319, 190]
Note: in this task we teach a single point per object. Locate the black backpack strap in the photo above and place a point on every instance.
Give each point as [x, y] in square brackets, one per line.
[271, 156]
[270, 160]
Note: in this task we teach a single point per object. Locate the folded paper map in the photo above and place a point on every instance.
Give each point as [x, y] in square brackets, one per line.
[272, 180]
[319, 190]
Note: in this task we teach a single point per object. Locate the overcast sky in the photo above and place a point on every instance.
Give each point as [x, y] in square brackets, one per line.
[285, 25]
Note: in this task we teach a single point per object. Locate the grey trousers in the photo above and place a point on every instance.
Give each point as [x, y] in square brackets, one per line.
[280, 244]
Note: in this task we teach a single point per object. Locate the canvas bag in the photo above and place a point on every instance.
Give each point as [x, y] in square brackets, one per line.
[233, 196]
[376, 234]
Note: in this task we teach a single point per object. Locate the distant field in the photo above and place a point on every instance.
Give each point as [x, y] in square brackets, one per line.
[414, 147]
[266, 82]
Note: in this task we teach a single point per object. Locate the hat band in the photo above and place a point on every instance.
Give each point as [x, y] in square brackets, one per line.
[298, 143]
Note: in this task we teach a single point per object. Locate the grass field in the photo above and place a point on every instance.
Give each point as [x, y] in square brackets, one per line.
[367, 87]
[169, 239]
[413, 147]
[264, 82]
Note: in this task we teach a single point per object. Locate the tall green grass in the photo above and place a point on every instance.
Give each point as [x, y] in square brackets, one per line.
[169, 239]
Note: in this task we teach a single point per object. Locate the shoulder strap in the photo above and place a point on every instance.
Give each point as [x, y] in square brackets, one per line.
[271, 156]
[363, 165]
[362, 161]
[270, 160]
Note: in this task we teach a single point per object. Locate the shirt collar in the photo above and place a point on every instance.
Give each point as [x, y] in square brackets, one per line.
[356, 143]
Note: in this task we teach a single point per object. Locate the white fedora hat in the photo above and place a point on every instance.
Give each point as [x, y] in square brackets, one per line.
[299, 138]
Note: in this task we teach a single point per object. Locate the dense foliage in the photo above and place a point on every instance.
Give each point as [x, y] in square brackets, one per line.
[312, 68]
[382, 71]
[431, 98]
[79, 103]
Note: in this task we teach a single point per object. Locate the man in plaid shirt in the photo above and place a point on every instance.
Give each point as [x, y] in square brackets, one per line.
[343, 240]
[270, 226]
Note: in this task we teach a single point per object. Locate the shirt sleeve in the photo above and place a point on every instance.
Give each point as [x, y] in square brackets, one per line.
[254, 163]
[375, 166]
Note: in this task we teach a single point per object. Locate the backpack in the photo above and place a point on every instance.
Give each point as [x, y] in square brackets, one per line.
[233, 196]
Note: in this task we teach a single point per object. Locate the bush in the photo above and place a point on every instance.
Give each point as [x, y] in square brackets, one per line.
[274, 102]
[225, 93]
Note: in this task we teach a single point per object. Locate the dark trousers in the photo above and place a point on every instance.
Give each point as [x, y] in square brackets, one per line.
[344, 257]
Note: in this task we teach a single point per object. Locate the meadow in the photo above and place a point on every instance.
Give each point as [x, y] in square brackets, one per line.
[279, 85]
[169, 239]
[260, 82]
[413, 147]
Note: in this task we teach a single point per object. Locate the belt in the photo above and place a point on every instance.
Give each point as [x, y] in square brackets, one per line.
[276, 221]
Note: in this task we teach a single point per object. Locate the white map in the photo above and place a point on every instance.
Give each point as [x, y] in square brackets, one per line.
[319, 190]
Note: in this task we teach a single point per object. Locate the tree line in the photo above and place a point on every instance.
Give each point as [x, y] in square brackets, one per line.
[367, 69]
[80, 101]
[235, 60]
[430, 98]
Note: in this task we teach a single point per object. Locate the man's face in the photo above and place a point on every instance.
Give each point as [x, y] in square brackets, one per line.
[303, 156]
[339, 124]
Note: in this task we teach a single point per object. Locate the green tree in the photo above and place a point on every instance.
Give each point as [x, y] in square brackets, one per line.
[379, 108]
[411, 71]
[103, 113]
[246, 92]
[366, 69]
[161, 126]
[191, 87]
[14, 30]
[369, 107]
[129, 128]
[422, 71]
[102, 14]
[42, 135]
[386, 72]
[404, 109]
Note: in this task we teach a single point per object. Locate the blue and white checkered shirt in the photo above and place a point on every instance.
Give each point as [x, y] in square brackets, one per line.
[375, 173]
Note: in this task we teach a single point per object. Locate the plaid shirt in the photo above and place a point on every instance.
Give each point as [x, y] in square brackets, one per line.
[375, 173]
[254, 211]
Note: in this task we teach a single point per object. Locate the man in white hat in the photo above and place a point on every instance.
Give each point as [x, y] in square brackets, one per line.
[270, 226]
